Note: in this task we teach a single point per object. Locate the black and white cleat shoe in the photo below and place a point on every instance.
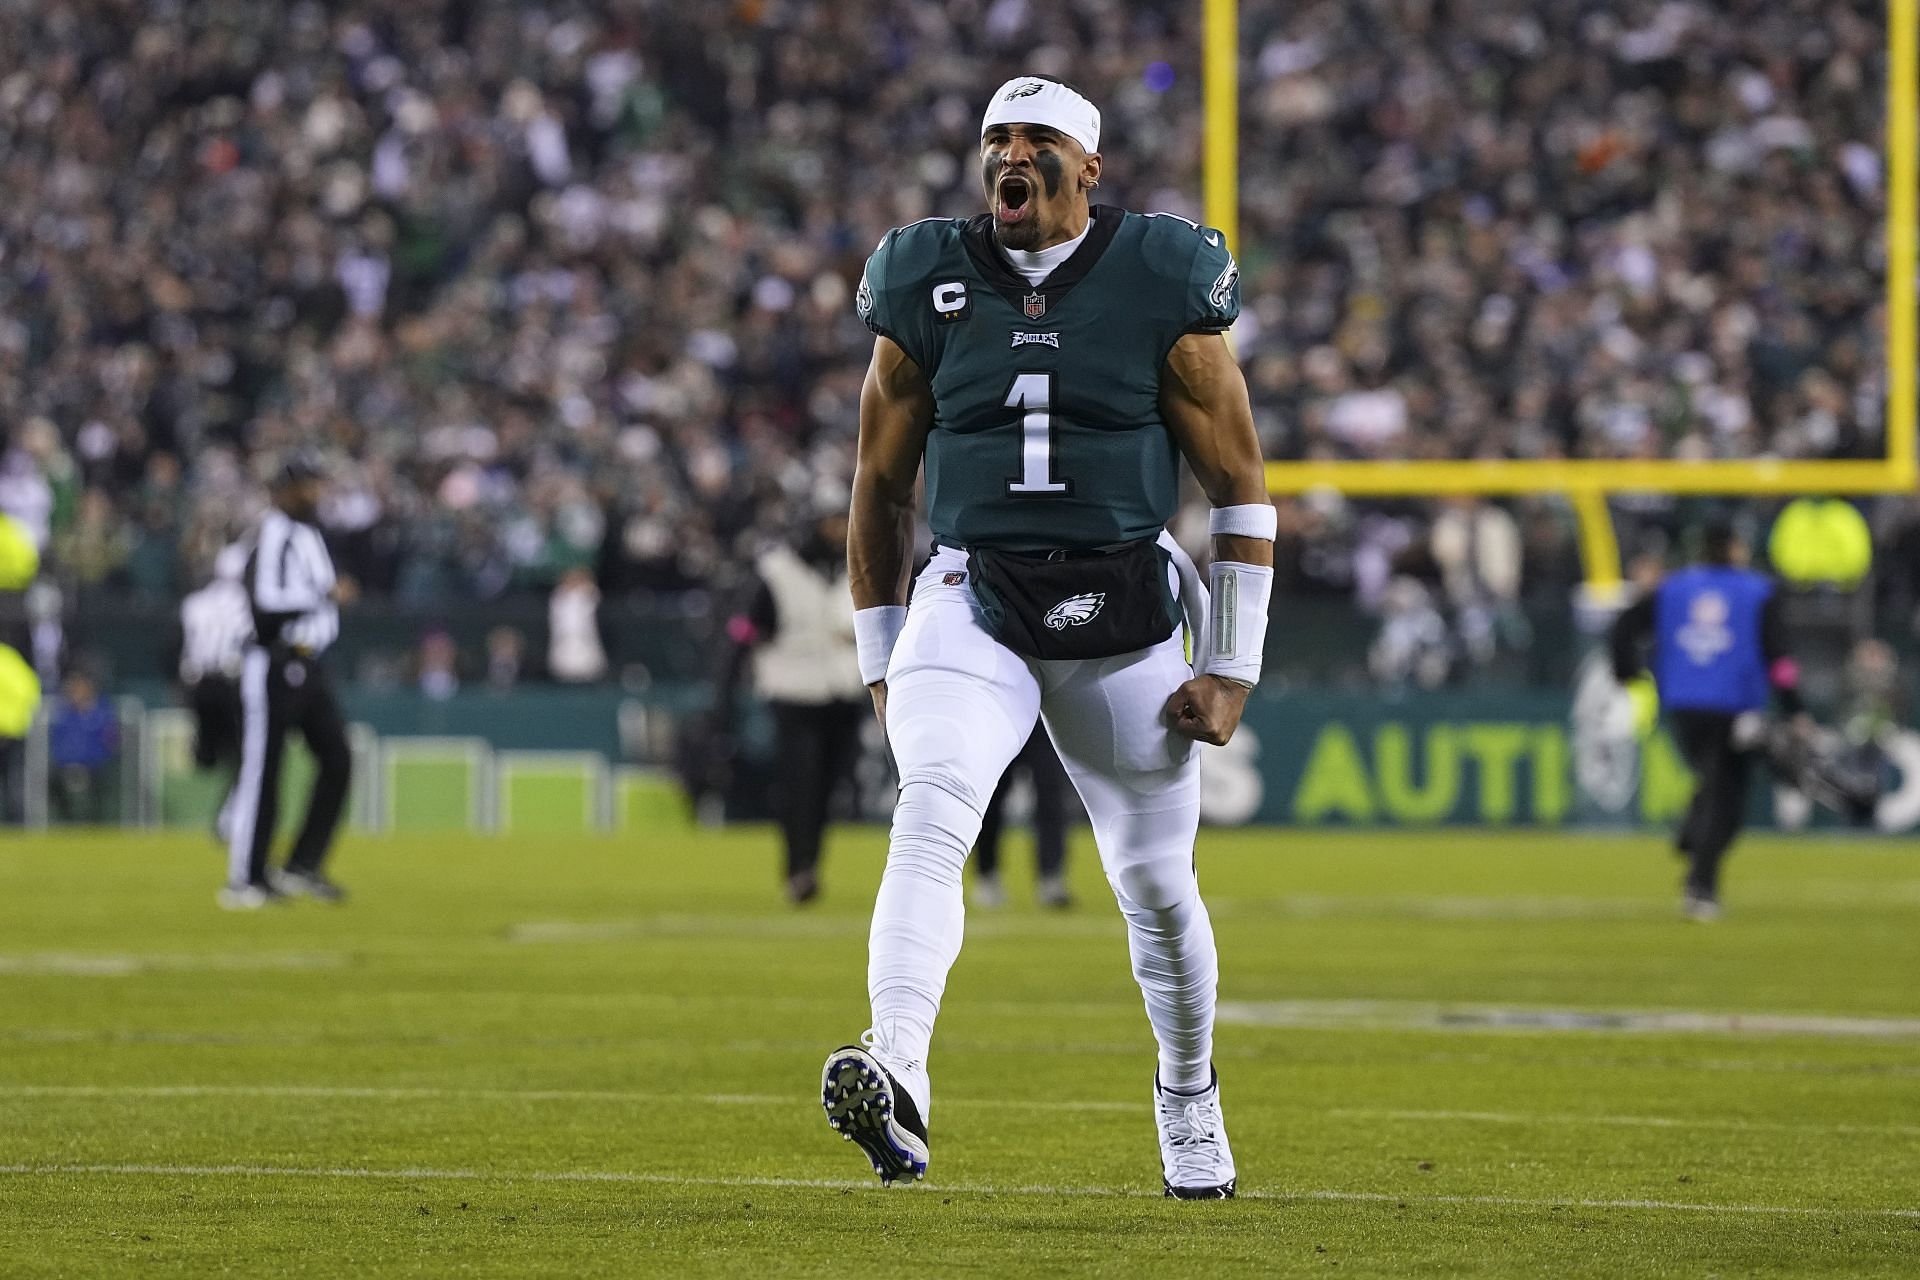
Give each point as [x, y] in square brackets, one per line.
[866, 1105]
[1701, 908]
[248, 897]
[1053, 894]
[295, 883]
[1195, 1161]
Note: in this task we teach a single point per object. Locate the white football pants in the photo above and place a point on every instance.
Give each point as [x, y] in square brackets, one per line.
[959, 707]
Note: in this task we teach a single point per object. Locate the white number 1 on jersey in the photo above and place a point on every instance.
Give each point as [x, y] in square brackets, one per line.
[1033, 393]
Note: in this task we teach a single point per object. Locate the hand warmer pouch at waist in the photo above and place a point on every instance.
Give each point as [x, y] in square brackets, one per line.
[1076, 604]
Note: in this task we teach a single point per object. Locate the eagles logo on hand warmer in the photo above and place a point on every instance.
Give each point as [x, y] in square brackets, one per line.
[1076, 611]
[1061, 606]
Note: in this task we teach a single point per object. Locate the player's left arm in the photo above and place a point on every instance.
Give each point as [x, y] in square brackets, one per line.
[1203, 400]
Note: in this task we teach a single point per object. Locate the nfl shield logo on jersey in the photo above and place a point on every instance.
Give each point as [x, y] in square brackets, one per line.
[1034, 305]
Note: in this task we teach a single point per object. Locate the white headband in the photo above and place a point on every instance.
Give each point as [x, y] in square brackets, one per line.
[1031, 100]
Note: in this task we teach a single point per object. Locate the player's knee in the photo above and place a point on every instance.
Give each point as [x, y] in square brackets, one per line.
[934, 825]
[1157, 884]
[938, 789]
[1150, 855]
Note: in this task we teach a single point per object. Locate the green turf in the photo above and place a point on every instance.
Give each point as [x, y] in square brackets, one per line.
[592, 1056]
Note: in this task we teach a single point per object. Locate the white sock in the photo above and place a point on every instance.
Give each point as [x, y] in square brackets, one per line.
[918, 920]
[1179, 974]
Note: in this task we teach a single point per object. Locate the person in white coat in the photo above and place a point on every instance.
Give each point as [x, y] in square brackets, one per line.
[574, 652]
[796, 633]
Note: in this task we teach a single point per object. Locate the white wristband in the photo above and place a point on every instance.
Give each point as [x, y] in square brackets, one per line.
[1248, 520]
[1237, 620]
[875, 632]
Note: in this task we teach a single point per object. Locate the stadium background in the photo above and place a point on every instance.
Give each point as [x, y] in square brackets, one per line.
[564, 292]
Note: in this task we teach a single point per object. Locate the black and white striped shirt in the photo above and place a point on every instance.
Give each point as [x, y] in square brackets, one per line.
[215, 624]
[290, 582]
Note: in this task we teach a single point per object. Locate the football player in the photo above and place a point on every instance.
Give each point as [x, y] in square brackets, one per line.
[1050, 362]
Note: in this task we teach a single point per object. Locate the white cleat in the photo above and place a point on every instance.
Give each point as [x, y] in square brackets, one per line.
[1052, 893]
[246, 897]
[866, 1105]
[987, 893]
[1700, 908]
[291, 883]
[1195, 1161]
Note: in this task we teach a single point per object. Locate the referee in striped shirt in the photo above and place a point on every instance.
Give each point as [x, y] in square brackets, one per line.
[283, 686]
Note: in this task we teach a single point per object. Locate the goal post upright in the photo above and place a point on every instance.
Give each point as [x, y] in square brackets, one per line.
[1903, 155]
[1220, 88]
[1586, 483]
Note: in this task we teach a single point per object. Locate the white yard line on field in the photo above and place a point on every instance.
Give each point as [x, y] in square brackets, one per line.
[1394, 1015]
[1884, 894]
[1304, 906]
[728, 927]
[1574, 1119]
[399, 1093]
[82, 964]
[838, 1184]
[1293, 906]
[1535, 1202]
[1319, 906]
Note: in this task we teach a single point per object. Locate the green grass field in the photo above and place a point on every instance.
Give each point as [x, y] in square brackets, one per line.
[593, 1057]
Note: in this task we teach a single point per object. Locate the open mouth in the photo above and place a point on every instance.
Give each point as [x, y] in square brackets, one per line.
[1015, 193]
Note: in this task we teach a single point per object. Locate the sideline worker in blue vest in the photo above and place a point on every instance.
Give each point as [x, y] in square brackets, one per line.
[1718, 657]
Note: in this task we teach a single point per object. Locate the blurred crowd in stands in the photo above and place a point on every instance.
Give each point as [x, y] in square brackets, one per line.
[565, 285]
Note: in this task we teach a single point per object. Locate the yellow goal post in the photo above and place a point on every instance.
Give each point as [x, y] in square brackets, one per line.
[1587, 482]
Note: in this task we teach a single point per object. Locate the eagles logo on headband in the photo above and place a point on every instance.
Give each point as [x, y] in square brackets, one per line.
[1036, 100]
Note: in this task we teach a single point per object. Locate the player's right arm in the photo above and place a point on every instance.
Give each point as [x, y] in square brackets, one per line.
[896, 412]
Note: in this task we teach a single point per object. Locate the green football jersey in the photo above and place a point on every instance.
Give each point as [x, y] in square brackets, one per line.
[1047, 431]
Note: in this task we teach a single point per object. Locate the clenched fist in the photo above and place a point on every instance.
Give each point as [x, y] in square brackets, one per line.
[1207, 709]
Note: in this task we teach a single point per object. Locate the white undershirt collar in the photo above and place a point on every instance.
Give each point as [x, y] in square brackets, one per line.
[1037, 264]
